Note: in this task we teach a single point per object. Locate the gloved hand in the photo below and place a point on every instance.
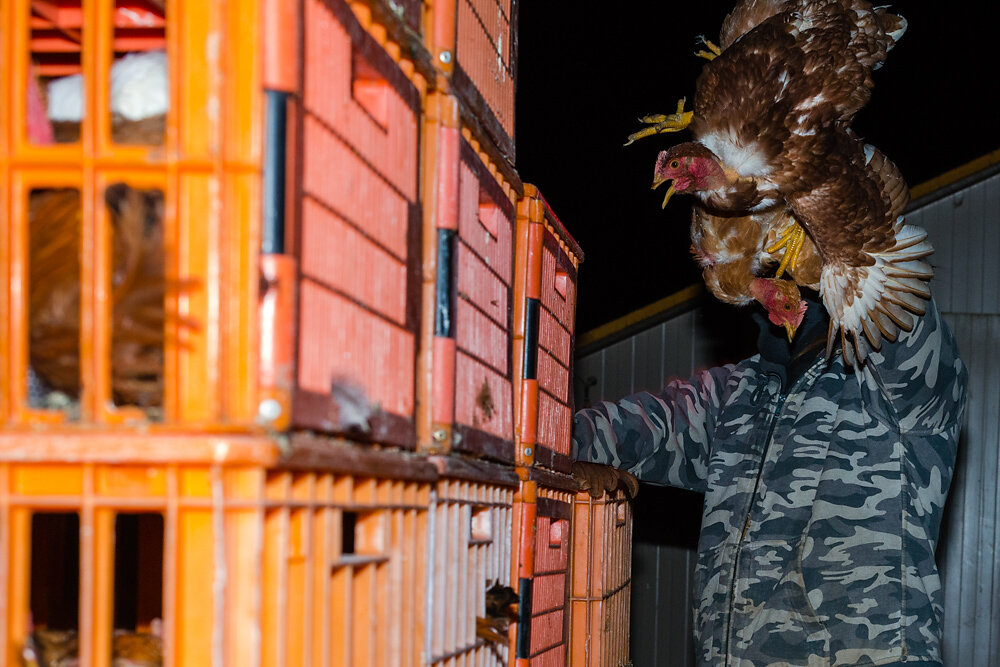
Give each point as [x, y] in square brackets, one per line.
[600, 479]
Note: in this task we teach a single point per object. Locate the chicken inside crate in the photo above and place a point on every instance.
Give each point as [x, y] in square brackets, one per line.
[469, 617]
[132, 211]
[137, 82]
[53, 637]
[138, 290]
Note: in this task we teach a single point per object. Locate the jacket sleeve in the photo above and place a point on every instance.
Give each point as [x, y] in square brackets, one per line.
[663, 438]
[922, 376]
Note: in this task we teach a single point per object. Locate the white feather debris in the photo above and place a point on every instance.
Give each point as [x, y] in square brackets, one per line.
[139, 89]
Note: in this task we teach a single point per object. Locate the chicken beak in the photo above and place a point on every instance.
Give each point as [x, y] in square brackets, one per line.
[670, 193]
[790, 330]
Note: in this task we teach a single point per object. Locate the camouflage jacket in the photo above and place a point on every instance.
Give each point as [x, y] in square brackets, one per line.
[822, 504]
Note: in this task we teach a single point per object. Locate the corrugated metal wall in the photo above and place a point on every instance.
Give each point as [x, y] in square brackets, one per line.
[965, 229]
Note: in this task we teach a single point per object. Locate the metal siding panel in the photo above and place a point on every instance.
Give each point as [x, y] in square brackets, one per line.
[941, 235]
[969, 536]
[648, 360]
[977, 488]
[974, 213]
[617, 370]
[586, 368]
[988, 391]
[645, 612]
[702, 339]
[966, 611]
[675, 569]
[661, 632]
[677, 355]
[991, 247]
[993, 443]
[961, 250]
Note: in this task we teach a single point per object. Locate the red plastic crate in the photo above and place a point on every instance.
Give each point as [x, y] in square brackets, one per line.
[484, 410]
[475, 43]
[469, 552]
[601, 578]
[471, 400]
[544, 316]
[359, 236]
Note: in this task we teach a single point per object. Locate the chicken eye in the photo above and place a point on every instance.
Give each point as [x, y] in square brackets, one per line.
[787, 306]
[674, 164]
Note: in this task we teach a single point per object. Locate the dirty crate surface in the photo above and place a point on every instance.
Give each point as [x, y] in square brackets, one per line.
[472, 399]
[359, 240]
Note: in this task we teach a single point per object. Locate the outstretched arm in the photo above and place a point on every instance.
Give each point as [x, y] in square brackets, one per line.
[663, 438]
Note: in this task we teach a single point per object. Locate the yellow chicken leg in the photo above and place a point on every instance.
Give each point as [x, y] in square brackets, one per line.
[660, 123]
[792, 241]
[713, 50]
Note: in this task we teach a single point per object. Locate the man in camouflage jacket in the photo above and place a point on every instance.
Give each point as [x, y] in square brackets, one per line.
[824, 490]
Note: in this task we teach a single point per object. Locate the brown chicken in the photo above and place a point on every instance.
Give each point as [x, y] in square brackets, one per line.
[138, 283]
[501, 604]
[137, 292]
[771, 126]
[60, 648]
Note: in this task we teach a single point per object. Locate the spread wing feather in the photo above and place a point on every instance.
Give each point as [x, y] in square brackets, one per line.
[875, 272]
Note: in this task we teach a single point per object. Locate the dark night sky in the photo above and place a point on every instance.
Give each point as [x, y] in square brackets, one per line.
[585, 76]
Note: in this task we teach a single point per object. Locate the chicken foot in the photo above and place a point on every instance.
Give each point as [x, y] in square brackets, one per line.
[713, 51]
[792, 241]
[661, 123]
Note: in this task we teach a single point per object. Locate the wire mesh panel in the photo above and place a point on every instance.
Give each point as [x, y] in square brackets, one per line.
[470, 553]
[601, 576]
[359, 241]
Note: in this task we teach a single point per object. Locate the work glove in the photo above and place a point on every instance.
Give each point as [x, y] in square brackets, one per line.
[600, 479]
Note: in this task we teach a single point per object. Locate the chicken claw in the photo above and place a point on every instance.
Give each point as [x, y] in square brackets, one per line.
[661, 123]
[792, 241]
[713, 50]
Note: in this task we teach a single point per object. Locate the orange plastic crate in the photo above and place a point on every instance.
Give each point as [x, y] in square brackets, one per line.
[316, 557]
[544, 319]
[475, 43]
[544, 525]
[207, 168]
[359, 240]
[601, 578]
[470, 552]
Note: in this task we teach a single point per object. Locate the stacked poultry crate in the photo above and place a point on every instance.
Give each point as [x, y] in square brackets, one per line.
[287, 374]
